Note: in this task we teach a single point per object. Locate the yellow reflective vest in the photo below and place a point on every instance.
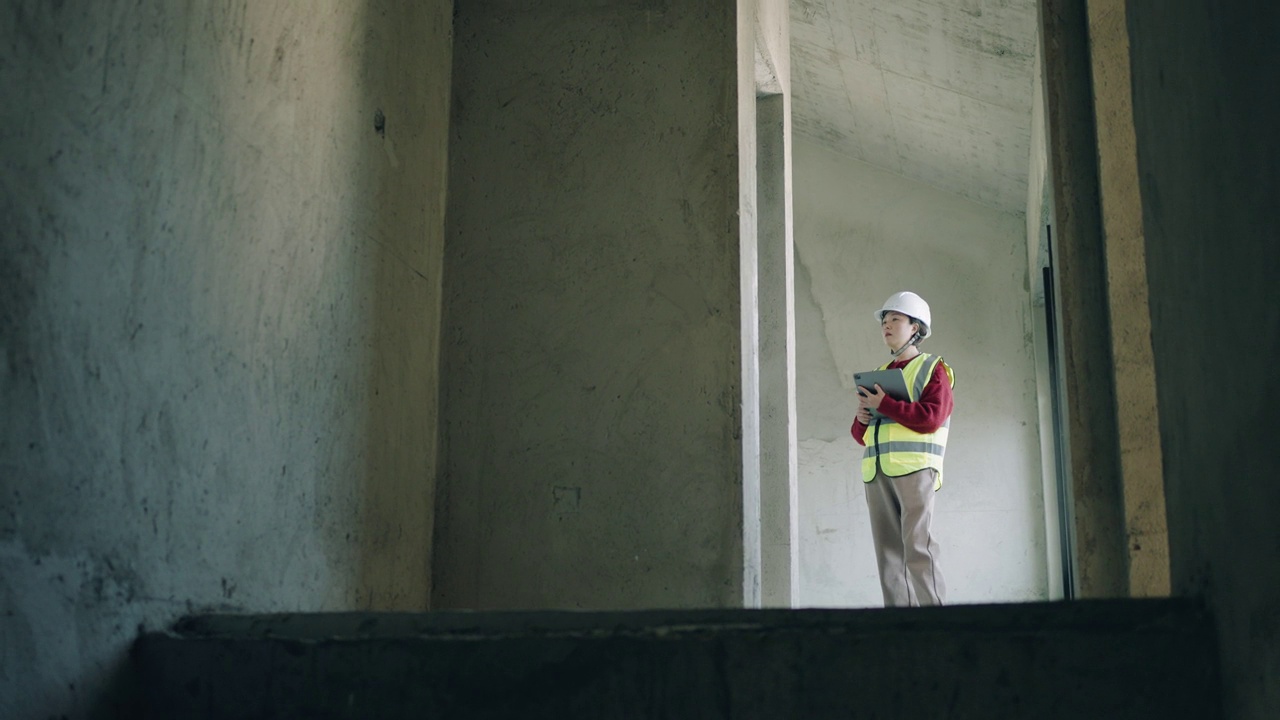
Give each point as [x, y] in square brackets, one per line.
[895, 450]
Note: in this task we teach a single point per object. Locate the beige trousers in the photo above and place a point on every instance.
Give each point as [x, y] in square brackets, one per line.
[902, 528]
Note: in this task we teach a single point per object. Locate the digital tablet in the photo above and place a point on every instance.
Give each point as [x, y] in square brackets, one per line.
[892, 382]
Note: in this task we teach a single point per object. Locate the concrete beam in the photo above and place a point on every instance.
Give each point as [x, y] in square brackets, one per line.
[1145, 659]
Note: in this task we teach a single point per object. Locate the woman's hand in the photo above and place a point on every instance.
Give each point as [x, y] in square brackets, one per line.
[869, 398]
[864, 415]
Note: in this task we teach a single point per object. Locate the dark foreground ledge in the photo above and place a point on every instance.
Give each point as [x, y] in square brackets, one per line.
[1096, 659]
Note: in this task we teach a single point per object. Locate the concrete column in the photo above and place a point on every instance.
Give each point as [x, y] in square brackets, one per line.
[780, 569]
[1205, 113]
[1039, 220]
[749, 286]
[1138, 423]
[778, 466]
[593, 395]
[1079, 260]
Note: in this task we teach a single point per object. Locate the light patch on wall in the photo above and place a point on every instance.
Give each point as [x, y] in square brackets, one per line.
[566, 500]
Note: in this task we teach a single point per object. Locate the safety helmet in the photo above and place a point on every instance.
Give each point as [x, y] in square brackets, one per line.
[911, 305]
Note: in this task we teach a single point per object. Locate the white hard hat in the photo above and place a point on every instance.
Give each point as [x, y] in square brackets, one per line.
[911, 305]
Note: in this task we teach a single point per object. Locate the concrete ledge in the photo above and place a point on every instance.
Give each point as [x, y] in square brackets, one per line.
[1107, 659]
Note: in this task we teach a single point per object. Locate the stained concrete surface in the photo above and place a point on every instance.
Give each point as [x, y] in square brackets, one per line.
[1087, 660]
[938, 91]
[593, 391]
[1079, 257]
[1205, 115]
[862, 234]
[779, 502]
[1137, 419]
[219, 294]
[1039, 219]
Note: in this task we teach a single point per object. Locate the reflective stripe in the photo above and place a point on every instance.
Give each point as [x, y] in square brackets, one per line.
[896, 450]
[902, 446]
[889, 421]
[923, 375]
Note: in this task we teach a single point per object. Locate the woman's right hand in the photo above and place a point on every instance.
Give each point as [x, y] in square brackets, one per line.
[864, 415]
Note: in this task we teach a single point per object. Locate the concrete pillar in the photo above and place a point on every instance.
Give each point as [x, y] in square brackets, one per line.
[221, 227]
[771, 44]
[749, 287]
[1205, 113]
[594, 401]
[1138, 424]
[1049, 392]
[1079, 259]
[778, 472]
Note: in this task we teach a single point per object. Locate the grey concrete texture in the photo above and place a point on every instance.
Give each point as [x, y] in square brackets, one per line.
[1079, 258]
[591, 402]
[779, 571]
[1137, 421]
[220, 237]
[1039, 219]
[778, 462]
[1209, 170]
[934, 90]
[1150, 659]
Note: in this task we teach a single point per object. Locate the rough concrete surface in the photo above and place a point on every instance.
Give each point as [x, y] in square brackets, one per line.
[1086, 661]
[779, 571]
[1205, 115]
[1039, 217]
[220, 238]
[862, 234]
[778, 465]
[1138, 423]
[934, 90]
[749, 315]
[1079, 256]
[592, 397]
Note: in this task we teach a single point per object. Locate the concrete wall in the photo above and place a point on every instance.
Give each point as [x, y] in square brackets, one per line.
[862, 234]
[1209, 167]
[220, 239]
[591, 412]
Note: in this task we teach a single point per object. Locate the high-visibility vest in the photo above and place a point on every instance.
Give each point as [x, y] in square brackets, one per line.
[896, 450]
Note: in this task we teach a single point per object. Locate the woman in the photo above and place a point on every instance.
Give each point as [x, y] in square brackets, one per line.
[902, 466]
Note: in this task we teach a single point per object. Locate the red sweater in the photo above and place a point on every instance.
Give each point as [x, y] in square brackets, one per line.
[926, 414]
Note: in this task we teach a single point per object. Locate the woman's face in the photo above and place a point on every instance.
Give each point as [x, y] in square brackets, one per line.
[897, 329]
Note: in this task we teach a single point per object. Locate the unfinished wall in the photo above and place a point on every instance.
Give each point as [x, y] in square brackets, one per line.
[1205, 115]
[220, 238]
[591, 405]
[862, 234]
